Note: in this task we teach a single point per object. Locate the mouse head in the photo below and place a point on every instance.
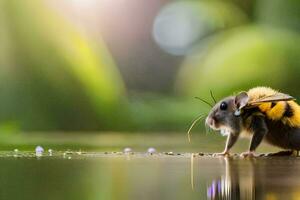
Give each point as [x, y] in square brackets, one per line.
[226, 114]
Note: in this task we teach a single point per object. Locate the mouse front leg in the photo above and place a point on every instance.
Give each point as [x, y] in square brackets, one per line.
[231, 140]
[260, 129]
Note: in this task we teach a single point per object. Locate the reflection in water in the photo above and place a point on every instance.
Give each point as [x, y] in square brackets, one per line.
[148, 177]
[268, 179]
[231, 185]
[192, 171]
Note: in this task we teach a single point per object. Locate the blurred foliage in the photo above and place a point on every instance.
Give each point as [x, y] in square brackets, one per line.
[51, 76]
[279, 13]
[151, 112]
[243, 58]
[182, 24]
[265, 52]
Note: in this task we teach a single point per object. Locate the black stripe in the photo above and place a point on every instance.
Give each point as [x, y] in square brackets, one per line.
[288, 110]
[273, 104]
[248, 112]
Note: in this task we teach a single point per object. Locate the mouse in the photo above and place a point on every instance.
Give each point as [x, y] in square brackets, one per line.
[261, 114]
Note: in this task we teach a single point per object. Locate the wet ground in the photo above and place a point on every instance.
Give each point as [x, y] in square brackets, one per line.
[161, 166]
[132, 175]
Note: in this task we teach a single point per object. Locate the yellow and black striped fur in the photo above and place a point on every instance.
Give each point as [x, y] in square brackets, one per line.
[288, 112]
[263, 113]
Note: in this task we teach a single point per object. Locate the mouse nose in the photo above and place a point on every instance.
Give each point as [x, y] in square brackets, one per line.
[210, 121]
[213, 120]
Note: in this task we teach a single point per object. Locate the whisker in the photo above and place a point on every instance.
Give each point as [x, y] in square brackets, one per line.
[193, 124]
[206, 129]
[212, 96]
[204, 101]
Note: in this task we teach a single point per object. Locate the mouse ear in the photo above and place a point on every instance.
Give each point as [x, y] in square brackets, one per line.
[241, 100]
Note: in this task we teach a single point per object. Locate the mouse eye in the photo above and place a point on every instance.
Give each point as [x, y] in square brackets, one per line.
[223, 106]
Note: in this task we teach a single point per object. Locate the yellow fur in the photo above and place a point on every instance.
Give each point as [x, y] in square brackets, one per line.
[277, 112]
[264, 107]
[258, 92]
[293, 121]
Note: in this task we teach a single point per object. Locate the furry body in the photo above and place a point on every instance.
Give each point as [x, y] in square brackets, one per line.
[282, 119]
[288, 112]
[263, 114]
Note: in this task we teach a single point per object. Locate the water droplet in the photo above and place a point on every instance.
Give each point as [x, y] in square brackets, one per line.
[39, 151]
[151, 150]
[79, 152]
[127, 150]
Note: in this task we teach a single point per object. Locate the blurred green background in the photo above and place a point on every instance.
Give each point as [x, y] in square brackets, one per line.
[116, 75]
[133, 66]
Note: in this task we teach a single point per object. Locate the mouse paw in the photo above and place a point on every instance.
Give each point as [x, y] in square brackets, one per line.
[224, 153]
[247, 154]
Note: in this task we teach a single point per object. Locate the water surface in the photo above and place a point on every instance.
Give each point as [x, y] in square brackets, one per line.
[91, 176]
